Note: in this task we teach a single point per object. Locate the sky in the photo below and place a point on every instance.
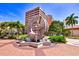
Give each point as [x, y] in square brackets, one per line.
[16, 11]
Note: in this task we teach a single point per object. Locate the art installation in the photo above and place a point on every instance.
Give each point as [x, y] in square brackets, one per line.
[36, 20]
[37, 25]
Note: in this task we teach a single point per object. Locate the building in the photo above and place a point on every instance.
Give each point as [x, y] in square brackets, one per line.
[75, 30]
[37, 11]
[50, 19]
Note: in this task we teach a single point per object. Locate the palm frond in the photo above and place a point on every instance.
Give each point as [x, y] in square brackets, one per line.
[76, 17]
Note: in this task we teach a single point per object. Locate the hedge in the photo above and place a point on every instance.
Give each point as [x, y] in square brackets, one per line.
[60, 39]
[22, 37]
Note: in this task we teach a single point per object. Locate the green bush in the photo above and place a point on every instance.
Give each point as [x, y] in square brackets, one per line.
[12, 37]
[60, 39]
[22, 37]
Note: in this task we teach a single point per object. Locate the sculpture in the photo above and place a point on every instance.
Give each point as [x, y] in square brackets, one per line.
[37, 24]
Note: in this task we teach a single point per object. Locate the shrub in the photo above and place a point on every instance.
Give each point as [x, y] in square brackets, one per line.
[22, 37]
[66, 32]
[60, 39]
[12, 36]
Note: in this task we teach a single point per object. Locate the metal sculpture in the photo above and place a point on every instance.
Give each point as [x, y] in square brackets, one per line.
[37, 25]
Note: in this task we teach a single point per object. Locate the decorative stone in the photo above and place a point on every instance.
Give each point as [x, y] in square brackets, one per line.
[22, 42]
[32, 44]
[36, 45]
[28, 40]
[46, 43]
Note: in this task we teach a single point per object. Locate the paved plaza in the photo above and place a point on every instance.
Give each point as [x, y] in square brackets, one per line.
[74, 42]
[7, 48]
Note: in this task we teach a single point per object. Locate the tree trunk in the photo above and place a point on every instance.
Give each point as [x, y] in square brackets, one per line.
[72, 31]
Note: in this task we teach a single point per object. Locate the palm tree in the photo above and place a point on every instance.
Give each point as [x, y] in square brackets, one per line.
[71, 20]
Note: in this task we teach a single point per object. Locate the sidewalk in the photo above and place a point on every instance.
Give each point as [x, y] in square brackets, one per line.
[74, 42]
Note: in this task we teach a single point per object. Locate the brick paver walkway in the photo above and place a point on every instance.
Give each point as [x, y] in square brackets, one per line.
[8, 49]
